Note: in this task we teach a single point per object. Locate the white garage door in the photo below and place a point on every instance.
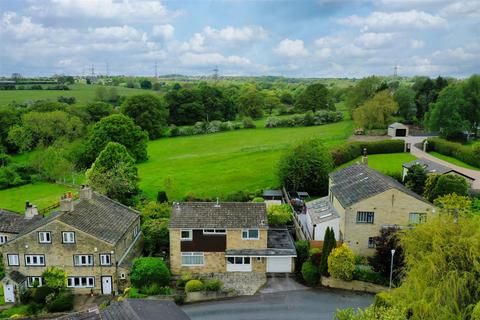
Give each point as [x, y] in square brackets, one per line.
[279, 264]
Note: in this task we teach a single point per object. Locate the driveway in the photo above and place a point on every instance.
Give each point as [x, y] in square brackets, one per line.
[310, 304]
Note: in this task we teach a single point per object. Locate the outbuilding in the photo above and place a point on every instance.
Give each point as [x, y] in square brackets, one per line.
[397, 129]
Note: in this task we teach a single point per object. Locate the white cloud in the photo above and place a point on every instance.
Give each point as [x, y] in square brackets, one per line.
[400, 19]
[126, 33]
[291, 48]
[209, 59]
[323, 53]
[416, 44]
[164, 31]
[375, 40]
[231, 34]
[460, 9]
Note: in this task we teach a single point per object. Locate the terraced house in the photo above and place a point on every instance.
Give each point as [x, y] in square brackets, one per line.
[94, 239]
[209, 237]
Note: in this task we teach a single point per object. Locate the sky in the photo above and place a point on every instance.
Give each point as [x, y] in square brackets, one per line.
[321, 38]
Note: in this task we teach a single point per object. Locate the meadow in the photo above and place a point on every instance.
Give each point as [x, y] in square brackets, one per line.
[386, 163]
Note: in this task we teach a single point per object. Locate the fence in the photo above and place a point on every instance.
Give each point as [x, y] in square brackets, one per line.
[301, 232]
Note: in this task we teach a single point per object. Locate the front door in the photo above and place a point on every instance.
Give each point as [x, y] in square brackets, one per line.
[107, 285]
[9, 293]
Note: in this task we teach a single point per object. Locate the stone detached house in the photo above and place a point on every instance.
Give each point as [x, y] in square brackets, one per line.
[362, 201]
[433, 167]
[208, 237]
[94, 239]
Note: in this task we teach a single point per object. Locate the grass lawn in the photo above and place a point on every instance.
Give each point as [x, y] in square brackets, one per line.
[218, 164]
[41, 194]
[385, 163]
[82, 92]
[452, 160]
[2, 297]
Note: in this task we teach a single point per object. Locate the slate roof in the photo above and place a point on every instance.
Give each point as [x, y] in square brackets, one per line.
[272, 193]
[279, 243]
[433, 167]
[17, 276]
[224, 215]
[321, 210]
[133, 309]
[358, 182]
[13, 222]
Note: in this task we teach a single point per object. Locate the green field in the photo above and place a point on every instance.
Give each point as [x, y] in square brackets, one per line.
[82, 92]
[452, 160]
[41, 194]
[385, 163]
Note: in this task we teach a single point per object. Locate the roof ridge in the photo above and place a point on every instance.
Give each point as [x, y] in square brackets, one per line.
[114, 201]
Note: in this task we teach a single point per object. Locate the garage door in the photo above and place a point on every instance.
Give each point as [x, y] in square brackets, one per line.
[279, 264]
[401, 133]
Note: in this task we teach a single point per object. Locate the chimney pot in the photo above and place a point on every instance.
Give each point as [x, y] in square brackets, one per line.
[30, 211]
[86, 193]
[66, 204]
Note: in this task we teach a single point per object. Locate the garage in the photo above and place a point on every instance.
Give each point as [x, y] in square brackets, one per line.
[401, 132]
[397, 129]
[279, 264]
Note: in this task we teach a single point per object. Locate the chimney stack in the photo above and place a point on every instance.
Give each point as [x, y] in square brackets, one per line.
[66, 203]
[30, 210]
[365, 157]
[86, 193]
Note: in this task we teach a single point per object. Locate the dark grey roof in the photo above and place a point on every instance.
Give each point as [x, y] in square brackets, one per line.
[397, 125]
[281, 240]
[433, 167]
[259, 252]
[17, 276]
[133, 309]
[222, 215]
[358, 182]
[321, 210]
[100, 217]
[13, 222]
[272, 193]
[38, 223]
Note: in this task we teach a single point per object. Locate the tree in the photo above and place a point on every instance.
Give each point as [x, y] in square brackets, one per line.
[341, 263]
[149, 113]
[415, 178]
[471, 110]
[382, 258]
[287, 98]
[116, 128]
[279, 215]
[114, 174]
[55, 278]
[251, 102]
[9, 117]
[454, 204]
[361, 92]
[154, 210]
[155, 236]
[271, 102]
[98, 110]
[310, 273]
[376, 112]
[405, 98]
[53, 164]
[302, 247]
[329, 243]
[315, 97]
[149, 270]
[145, 84]
[448, 184]
[306, 167]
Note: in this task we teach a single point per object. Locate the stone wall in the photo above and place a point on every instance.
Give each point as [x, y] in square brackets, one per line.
[208, 295]
[235, 241]
[244, 283]
[353, 285]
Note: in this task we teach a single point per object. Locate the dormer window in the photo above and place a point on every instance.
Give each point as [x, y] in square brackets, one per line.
[186, 235]
[44, 237]
[250, 234]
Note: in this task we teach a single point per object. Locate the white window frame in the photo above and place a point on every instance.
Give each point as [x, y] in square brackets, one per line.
[214, 231]
[29, 260]
[190, 235]
[248, 236]
[78, 260]
[31, 281]
[42, 237]
[191, 255]
[12, 258]
[366, 217]
[240, 260]
[105, 257]
[89, 282]
[420, 217]
[66, 239]
[3, 239]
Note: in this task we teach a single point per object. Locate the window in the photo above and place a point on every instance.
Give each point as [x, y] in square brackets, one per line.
[371, 242]
[250, 234]
[44, 237]
[214, 231]
[415, 217]
[365, 217]
[3, 239]
[80, 260]
[13, 260]
[186, 235]
[136, 230]
[238, 260]
[105, 259]
[34, 260]
[32, 281]
[68, 237]
[81, 282]
[192, 258]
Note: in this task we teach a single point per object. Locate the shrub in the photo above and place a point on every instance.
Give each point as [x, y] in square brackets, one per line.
[258, 199]
[213, 285]
[133, 293]
[55, 278]
[155, 289]
[174, 131]
[40, 294]
[329, 243]
[302, 247]
[315, 256]
[364, 273]
[62, 302]
[383, 299]
[476, 312]
[248, 123]
[149, 270]
[341, 263]
[179, 299]
[183, 280]
[466, 154]
[279, 215]
[194, 286]
[310, 273]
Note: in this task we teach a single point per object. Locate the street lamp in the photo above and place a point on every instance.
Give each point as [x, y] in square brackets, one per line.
[391, 269]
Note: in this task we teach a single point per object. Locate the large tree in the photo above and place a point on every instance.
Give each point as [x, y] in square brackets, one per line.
[149, 113]
[361, 92]
[405, 98]
[377, 112]
[382, 258]
[471, 110]
[98, 110]
[251, 101]
[315, 97]
[305, 167]
[116, 128]
[415, 178]
[114, 174]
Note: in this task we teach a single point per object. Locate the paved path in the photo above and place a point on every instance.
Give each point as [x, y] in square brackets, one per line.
[318, 304]
[281, 284]
[420, 154]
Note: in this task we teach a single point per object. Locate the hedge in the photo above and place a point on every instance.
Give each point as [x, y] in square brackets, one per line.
[308, 119]
[351, 150]
[467, 154]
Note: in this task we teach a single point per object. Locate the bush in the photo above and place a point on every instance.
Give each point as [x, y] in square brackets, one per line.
[383, 299]
[279, 215]
[213, 285]
[155, 289]
[179, 299]
[364, 273]
[351, 150]
[62, 302]
[194, 286]
[302, 247]
[40, 294]
[466, 154]
[183, 280]
[258, 199]
[310, 273]
[341, 263]
[308, 119]
[248, 123]
[148, 270]
[315, 256]
[476, 312]
[133, 293]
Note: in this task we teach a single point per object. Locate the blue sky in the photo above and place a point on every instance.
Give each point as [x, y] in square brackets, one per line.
[322, 38]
